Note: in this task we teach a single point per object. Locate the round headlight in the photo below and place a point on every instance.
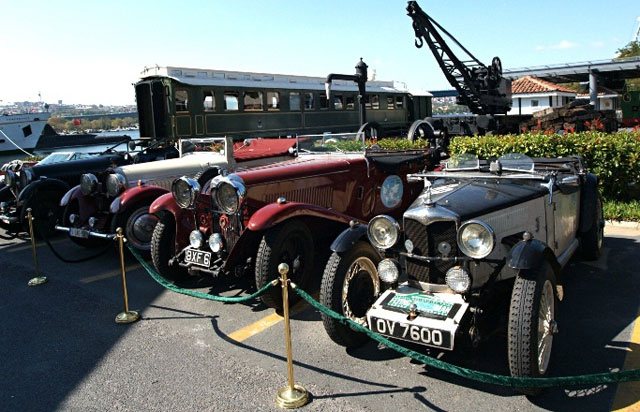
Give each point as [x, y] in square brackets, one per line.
[185, 191]
[88, 184]
[25, 177]
[196, 239]
[116, 183]
[476, 239]
[215, 242]
[227, 198]
[383, 231]
[9, 178]
[388, 271]
[458, 279]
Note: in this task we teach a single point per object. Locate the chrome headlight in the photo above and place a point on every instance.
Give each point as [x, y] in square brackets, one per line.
[10, 178]
[196, 239]
[25, 177]
[116, 184]
[185, 192]
[228, 193]
[476, 239]
[88, 184]
[215, 242]
[388, 271]
[383, 231]
[458, 279]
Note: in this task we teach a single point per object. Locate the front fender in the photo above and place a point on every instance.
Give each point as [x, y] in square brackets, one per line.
[73, 193]
[50, 185]
[275, 213]
[349, 237]
[184, 219]
[138, 194]
[529, 254]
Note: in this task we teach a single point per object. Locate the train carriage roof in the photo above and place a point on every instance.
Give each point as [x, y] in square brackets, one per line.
[212, 77]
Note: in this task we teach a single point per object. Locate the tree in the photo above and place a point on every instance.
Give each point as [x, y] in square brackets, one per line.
[630, 50]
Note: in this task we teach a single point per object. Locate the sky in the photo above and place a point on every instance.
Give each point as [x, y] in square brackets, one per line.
[90, 52]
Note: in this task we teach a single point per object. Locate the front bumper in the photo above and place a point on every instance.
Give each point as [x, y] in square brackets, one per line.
[438, 316]
[84, 233]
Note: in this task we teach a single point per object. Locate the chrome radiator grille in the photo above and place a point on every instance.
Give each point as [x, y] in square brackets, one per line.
[425, 241]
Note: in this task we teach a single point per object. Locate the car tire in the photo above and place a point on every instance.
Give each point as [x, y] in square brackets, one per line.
[592, 240]
[45, 211]
[531, 321]
[163, 248]
[350, 285]
[137, 225]
[290, 243]
[90, 243]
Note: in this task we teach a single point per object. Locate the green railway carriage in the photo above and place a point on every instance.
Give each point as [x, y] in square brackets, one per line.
[178, 102]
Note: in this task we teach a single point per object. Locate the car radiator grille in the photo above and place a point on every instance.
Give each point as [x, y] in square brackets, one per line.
[425, 241]
[231, 232]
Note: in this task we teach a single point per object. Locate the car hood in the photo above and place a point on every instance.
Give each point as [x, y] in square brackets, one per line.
[476, 198]
[301, 167]
[94, 164]
[188, 165]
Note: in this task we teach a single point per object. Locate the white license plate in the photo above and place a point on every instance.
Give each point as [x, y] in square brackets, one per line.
[75, 232]
[413, 333]
[198, 257]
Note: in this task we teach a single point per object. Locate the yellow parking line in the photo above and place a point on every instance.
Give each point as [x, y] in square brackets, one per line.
[109, 274]
[627, 397]
[264, 323]
[39, 244]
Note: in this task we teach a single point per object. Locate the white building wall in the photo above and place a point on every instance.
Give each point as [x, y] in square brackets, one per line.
[527, 102]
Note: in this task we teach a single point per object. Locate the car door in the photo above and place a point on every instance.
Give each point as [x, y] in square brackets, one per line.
[565, 206]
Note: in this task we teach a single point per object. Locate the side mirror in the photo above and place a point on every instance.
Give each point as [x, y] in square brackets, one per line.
[132, 145]
[247, 142]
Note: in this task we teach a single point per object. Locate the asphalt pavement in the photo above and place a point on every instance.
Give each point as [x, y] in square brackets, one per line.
[60, 348]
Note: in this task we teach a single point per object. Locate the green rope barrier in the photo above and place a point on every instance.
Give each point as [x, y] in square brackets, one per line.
[227, 299]
[580, 380]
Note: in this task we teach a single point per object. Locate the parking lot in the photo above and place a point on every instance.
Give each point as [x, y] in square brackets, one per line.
[61, 349]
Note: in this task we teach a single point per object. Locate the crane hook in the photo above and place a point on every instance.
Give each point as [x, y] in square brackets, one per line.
[419, 42]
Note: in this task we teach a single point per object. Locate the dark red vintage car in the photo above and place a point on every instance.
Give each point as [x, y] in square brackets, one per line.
[250, 221]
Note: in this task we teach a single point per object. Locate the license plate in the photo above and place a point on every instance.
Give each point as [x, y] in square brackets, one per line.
[425, 304]
[412, 333]
[75, 232]
[198, 257]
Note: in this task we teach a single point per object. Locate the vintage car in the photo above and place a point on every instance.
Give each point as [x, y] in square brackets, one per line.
[481, 249]
[121, 197]
[41, 187]
[250, 221]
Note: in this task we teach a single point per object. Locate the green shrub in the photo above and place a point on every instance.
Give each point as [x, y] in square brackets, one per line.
[628, 211]
[613, 157]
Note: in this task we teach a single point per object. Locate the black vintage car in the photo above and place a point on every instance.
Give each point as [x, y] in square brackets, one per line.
[41, 187]
[480, 250]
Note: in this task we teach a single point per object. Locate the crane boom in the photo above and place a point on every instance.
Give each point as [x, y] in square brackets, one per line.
[481, 88]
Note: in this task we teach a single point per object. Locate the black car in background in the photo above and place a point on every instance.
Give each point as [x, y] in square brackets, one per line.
[41, 187]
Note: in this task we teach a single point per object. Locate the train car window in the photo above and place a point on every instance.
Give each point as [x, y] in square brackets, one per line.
[324, 103]
[294, 101]
[367, 102]
[182, 100]
[231, 101]
[308, 101]
[399, 102]
[273, 100]
[166, 95]
[252, 101]
[338, 102]
[375, 102]
[350, 102]
[209, 101]
[390, 104]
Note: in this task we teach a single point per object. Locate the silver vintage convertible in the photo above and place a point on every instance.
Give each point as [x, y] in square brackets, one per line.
[482, 248]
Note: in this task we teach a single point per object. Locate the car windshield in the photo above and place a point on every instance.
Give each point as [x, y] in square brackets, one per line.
[512, 162]
[516, 162]
[335, 142]
[55, 158]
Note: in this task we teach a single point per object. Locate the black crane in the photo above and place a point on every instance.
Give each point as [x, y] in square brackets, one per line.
[481, 88]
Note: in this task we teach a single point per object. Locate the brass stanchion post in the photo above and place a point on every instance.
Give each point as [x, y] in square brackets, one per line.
[128, 316]
[291, 396]
[38, 280]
